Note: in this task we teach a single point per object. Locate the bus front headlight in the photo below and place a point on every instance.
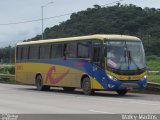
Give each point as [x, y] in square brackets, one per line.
[145, 77]
[112, 78]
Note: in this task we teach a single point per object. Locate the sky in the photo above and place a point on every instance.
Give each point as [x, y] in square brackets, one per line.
[13, 11]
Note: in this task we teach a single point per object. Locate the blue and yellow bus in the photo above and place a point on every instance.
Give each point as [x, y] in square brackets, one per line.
[94, 62]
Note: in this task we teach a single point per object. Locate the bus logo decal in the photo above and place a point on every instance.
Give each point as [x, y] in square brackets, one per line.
[54, 80]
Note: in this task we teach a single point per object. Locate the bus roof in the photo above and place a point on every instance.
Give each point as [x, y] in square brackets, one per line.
[93, 37]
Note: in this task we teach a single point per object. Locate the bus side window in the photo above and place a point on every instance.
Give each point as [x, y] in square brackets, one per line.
[45, 51]
[19, 53]
[25, 53]
[71, 50]
[83, 50]
[57, 51]
[34, 52]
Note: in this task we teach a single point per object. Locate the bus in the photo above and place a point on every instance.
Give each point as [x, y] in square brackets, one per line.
[92, 63]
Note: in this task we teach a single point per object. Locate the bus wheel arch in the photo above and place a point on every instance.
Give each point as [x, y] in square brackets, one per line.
[39, 83]
[86, 85]
[37, 74]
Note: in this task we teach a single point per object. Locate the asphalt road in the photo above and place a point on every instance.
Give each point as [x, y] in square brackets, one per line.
[19, 99]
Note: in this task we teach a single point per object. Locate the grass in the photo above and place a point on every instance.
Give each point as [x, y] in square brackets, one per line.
[153, 63]
[154, 77]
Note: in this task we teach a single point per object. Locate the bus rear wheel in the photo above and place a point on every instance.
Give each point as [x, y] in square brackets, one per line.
[39, 84]
[122, 92]
[86, 86]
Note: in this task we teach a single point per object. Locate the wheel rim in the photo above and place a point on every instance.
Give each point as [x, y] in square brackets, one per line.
[39, 82]
[86, 86]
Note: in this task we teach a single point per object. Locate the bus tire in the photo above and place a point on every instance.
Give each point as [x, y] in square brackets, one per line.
[39, 84]
[68, 89]
[86, 86]
[122, 92]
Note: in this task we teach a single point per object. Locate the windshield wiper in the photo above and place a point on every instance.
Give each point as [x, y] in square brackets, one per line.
[124, 57]
[131, 59]
[127, 54]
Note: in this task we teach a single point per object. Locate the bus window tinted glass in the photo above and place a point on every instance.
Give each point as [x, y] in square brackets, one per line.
[19, 53]
[83, 50]
[45, 52]
[34, 52]
[72, 50]
[97, 52]
[57, 51]
[25, 53]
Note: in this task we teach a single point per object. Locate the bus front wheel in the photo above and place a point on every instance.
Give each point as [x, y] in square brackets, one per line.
[39, 84]
[86, 86]
[122, 92]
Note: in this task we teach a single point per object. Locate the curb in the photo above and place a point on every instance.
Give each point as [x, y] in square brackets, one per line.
[153, 86]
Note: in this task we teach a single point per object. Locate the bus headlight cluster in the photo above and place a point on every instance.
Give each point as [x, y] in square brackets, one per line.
[145, 77]
[112, 78]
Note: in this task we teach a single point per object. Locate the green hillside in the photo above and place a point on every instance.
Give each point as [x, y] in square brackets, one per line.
[119, 19]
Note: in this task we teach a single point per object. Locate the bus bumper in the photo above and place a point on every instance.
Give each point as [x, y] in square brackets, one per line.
[130, 85]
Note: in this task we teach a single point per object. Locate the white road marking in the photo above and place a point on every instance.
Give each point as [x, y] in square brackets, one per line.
[100, 112]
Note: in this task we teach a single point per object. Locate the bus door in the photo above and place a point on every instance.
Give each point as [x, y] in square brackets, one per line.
[97, 59]
[97, 53]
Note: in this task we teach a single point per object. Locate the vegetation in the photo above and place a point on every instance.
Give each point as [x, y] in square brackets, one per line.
[7, 70]
[153, 63]
[118, 19]
[7, 55]
[154, 77]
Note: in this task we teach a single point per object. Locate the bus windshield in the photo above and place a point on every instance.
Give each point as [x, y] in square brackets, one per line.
[125, 55]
